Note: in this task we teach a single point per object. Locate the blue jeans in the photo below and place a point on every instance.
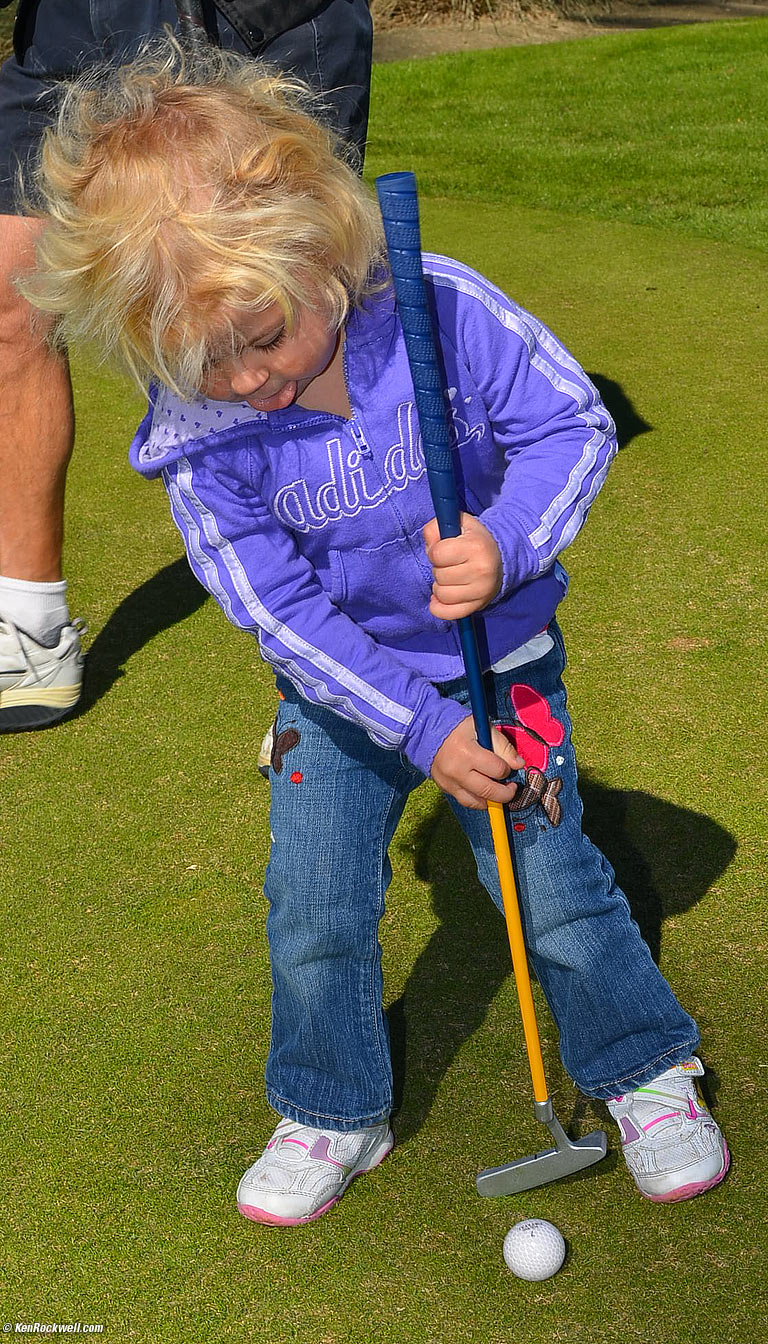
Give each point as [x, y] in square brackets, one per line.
[336, 801]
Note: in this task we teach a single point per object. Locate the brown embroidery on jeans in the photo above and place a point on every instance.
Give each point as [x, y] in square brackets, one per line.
[284, 742]
[538, 789]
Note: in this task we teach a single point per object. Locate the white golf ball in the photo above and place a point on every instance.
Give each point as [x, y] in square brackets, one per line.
[534, 1249]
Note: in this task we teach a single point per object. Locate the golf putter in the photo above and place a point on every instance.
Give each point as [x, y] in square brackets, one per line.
[399, 205]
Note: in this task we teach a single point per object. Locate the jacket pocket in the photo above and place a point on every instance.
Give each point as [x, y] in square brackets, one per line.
[385, 589]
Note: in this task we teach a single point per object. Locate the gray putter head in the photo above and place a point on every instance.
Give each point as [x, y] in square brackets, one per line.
[552, 1165]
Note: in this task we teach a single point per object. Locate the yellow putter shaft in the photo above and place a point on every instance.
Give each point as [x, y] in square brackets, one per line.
[568, 1156]
[517, 948]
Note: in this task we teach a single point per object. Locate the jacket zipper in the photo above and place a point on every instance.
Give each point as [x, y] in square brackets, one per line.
[355, 429]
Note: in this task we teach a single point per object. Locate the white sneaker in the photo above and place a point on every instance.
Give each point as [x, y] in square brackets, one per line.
[38, 685]
[672, 1146]
[265, 752]
[303, 1172]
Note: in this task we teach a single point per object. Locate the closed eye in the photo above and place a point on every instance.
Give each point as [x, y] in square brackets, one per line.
[267, 345]
[217, 361]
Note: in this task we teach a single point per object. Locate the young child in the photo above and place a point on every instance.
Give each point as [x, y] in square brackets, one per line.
[200, 227]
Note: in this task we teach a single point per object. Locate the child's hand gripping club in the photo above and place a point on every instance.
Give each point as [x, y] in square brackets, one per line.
[467, 571]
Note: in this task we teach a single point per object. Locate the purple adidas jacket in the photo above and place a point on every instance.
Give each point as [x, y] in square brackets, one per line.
[307, 528]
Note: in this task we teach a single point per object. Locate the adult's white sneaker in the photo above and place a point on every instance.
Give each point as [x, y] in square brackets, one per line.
[38, 685]
[672, 1146]
[303, 1172]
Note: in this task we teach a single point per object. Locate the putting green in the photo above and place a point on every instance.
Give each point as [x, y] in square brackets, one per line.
[135, 1017]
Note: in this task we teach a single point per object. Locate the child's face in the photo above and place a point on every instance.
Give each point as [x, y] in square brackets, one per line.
[275, 366]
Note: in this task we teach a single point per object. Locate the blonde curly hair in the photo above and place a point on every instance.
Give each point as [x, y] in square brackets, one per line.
[175, 190]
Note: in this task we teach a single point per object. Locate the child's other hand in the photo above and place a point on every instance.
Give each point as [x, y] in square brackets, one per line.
[467, 569]
[471, 774]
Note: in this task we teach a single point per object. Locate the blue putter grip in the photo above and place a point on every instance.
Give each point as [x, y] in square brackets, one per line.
[399, 204]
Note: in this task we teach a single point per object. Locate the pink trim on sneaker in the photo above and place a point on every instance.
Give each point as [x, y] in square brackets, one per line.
[257, 1215]
[696, 1188]
[272, 1219]
[671, 1115]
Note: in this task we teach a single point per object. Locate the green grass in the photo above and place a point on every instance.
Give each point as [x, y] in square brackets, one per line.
[134, 1012]
[663, 128]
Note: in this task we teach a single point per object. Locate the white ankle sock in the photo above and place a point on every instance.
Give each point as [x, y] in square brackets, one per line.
[39, 609]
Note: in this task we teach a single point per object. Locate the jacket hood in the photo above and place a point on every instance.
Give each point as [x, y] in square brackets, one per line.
[173, 428]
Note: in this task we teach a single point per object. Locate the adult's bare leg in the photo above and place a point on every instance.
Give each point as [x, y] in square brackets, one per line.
[41, 664]
[36, 423]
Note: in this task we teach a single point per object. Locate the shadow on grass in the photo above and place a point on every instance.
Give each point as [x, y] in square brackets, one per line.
[629, 423]
[168, 597]
[666, 859]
